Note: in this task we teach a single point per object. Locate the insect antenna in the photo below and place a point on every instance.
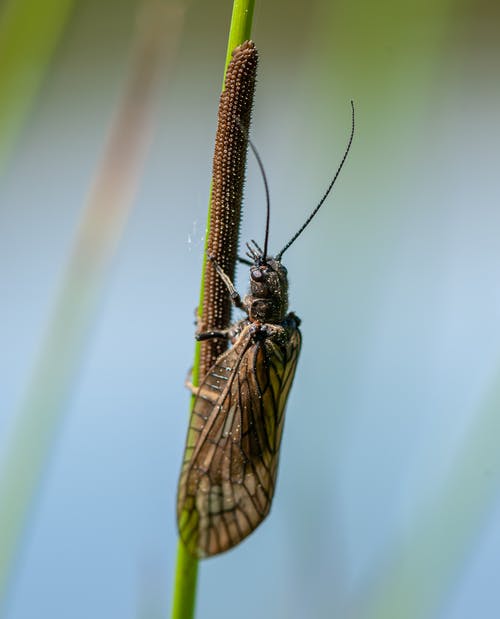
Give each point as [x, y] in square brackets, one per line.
[308, 220]
[266, 187]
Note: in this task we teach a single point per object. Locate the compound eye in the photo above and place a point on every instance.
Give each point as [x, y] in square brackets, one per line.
[256, 274]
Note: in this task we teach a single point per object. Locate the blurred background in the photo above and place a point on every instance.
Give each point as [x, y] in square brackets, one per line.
[388, 497]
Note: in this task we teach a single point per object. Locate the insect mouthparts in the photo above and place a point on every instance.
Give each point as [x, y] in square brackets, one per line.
[255, 253]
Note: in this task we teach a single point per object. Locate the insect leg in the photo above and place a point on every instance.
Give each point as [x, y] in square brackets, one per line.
[200, 335]
[233, 293]
[245, 261]
[221, 334]
[205, 393]
[189, 384]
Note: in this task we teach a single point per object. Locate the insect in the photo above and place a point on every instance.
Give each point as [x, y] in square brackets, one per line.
[231, 456]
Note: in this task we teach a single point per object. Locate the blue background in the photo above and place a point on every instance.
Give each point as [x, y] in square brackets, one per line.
[396, 281]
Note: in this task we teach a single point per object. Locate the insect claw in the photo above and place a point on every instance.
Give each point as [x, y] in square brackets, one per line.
[199, 324]
[189, 385]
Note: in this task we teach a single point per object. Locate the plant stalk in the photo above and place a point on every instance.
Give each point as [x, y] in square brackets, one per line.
[184, 596]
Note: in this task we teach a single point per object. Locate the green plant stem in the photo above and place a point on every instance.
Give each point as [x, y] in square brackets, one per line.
[186, 576]
[241, 26]
[184, 596]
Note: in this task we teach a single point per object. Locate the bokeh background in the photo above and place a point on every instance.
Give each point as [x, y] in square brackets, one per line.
[388, 496]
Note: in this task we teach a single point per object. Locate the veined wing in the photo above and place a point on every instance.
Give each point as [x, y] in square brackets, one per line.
[231, 457]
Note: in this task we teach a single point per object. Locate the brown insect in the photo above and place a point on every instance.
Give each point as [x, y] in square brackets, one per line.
[230, 462]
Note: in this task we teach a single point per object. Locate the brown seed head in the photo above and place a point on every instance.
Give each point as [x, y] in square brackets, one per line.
[228, 177]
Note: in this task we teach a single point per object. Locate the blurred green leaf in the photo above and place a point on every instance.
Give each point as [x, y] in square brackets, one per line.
[29, 33]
